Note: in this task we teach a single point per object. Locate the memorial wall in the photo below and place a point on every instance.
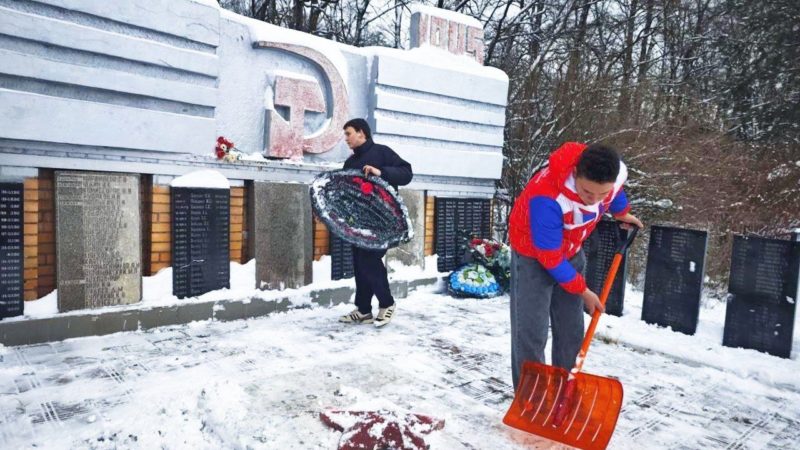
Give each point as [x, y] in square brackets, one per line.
[105, 104]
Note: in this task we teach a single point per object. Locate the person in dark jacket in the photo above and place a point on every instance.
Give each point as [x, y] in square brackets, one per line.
[371, 278]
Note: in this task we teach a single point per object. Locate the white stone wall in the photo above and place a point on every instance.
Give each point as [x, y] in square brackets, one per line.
[139, 75]
[446, 121]
[147, 85]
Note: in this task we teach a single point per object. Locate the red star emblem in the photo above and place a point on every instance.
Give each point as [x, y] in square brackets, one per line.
[373, 430]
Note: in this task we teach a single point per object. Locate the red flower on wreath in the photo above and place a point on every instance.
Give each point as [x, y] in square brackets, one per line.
[385, 195]
[366, 188]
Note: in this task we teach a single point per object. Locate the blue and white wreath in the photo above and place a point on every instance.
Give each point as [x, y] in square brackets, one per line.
[473, 280]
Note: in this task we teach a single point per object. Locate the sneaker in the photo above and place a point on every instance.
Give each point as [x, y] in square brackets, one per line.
[356, 317]
[385, 315]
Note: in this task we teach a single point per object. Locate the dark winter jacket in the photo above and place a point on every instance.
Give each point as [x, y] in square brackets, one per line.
[393, 168]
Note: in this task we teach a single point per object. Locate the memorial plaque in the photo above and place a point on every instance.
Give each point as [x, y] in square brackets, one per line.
[445, 233]
[98, 239]
[341, 258]
[452, 218]
[283, 235]
[674, 278]
[762, 295]
[600, 249]
[411, 253]
[200, 240]
[11, 250]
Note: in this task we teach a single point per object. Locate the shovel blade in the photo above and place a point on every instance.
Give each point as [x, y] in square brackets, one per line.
[588, 415]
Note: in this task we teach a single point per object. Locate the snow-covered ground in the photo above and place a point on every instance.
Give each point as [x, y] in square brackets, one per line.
[262, 383]
[157, 289]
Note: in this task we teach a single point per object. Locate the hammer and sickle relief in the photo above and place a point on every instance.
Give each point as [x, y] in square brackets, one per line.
[287, 139]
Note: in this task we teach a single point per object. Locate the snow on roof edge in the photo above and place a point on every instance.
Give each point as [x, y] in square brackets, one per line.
[205, 178]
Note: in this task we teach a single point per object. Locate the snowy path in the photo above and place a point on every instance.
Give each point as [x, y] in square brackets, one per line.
[261, 384]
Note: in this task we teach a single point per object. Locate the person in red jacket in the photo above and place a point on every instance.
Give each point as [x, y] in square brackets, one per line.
[551, 218]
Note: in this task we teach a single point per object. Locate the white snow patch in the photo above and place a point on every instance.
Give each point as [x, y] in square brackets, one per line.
[264, 32]
[255, 156]
[157, 289]
[43, 307]
[399, 271]
[322, 270]
[157, 292]
[203, 387]
[705, 347]
[436, 57]
[779, 172]
[157, 286]
[213, 3]
[205, 178]
[360, 231]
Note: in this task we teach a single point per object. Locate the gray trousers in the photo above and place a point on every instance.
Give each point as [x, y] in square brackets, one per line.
[537, 301]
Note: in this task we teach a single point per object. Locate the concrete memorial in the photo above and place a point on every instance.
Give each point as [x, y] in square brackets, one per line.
[341, 258]
[283, 231]
[200, 237]
[412, 253]
[98, 239]
[600, 249]
[762, 295]
[674, 278]
[456, 219]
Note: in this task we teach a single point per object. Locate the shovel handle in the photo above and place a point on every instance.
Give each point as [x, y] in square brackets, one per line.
[624, 244]
[607, 285]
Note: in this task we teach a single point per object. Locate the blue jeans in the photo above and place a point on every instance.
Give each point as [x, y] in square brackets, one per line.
[538, 301]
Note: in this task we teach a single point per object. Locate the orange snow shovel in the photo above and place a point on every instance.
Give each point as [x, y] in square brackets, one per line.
[577, 409]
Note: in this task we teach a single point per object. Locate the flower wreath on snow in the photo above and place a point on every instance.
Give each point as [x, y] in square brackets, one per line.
[473, 280]
[364, 211]
[488, 275]
[495, 255]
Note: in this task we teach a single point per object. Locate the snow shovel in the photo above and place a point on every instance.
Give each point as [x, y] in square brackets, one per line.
[577, 409]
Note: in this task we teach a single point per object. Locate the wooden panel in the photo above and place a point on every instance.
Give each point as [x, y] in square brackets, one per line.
[430, 202]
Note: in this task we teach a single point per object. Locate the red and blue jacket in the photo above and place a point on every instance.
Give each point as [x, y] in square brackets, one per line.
[549, 222]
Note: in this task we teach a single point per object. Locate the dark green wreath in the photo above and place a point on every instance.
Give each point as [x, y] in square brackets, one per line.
[364, 211]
